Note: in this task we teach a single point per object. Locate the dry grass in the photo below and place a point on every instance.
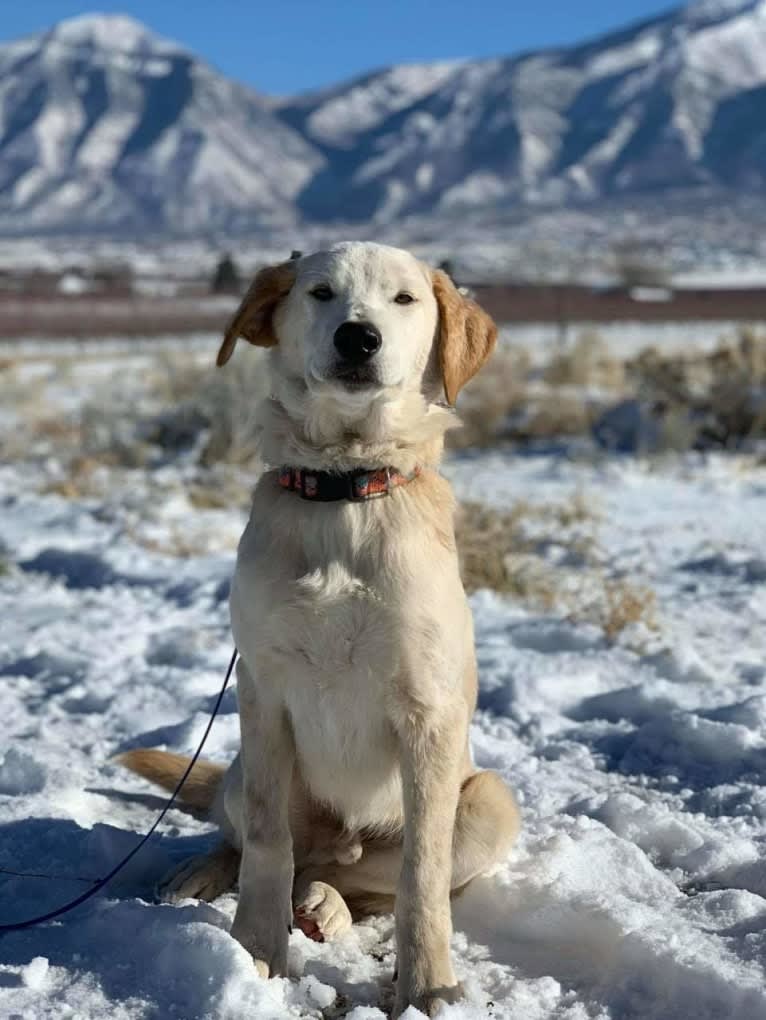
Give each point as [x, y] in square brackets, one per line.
[706, 399]
[490, 398]
[695, 399]
[221, 401]
[174, 543]
[189, 409]
[486, 538]
[504, 550]
[219, 488]
[588, 362]
[506, 402]
[85, 478]
[512, 400]
[178, 409]
[628, 604]
[551, 414]
[614, 605]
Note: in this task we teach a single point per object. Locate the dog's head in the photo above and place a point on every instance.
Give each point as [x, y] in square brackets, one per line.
[363, 319]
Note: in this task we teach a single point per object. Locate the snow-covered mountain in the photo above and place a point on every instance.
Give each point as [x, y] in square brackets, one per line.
[675, 102]
[104, 125]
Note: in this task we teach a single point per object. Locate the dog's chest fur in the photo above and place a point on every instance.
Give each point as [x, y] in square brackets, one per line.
[326, 627]
[340, 665]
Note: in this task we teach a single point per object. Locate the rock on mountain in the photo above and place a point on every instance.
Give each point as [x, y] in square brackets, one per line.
[107, 126]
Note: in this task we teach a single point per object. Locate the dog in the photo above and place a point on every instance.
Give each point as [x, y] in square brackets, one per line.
[354, 791]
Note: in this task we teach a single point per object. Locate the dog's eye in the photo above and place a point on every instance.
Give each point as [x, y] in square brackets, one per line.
[403, 298]
[322, 292]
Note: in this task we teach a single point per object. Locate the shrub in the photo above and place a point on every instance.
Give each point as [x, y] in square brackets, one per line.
[490, 397]
[587, 363]
[504, 550]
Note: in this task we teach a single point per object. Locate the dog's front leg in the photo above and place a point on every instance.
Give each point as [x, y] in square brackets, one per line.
[430, 760]
[264, 912]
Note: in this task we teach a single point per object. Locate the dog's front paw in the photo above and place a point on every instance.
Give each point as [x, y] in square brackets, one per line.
[321, 912]
[269, 952]
[269, 968]
[431, 1001]
[265, 938]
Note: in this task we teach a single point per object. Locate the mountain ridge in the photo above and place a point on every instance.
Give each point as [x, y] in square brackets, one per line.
[107, 127]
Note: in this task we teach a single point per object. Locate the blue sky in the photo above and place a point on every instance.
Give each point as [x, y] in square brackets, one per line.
[282, 46]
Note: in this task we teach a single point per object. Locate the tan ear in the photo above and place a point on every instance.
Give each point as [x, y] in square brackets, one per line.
[254, 319]
[466, 335]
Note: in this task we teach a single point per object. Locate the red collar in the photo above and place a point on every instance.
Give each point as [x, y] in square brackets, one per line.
[329, 486]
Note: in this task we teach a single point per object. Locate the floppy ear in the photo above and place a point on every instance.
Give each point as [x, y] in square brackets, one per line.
[253, 320]
[466, 335]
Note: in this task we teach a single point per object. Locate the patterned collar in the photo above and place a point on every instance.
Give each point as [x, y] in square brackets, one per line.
[329, 486]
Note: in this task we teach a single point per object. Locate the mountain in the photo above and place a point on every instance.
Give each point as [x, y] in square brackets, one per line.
[673, 103]
[105, 126]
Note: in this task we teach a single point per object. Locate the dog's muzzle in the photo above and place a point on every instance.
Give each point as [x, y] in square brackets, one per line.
[357, 343]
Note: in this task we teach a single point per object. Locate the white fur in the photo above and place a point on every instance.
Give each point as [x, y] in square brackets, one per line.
[365, 280]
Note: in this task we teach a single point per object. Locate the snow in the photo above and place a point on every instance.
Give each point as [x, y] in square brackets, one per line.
[365, 104]
[34, 974]
[627, 339]
[743, 276]
[54, 129]
[638, 888]
[735, 48]
[481, 186]
[106, 139]
[20, 773]
[701, 11]
[115, 32]
[640, 51]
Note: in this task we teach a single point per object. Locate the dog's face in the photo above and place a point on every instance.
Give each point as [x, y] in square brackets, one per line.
[359, 317]
[361, 320]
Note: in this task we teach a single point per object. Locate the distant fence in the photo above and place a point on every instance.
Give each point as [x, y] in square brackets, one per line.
[565, 304]
[96, 316]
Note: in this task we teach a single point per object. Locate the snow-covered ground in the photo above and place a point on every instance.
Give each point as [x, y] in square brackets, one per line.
[638, 889]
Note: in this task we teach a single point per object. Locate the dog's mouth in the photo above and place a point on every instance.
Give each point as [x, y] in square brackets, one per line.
[355, 377]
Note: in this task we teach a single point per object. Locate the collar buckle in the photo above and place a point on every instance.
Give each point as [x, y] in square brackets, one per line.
[365, 485]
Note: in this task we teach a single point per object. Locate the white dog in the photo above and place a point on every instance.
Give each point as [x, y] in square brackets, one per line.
[354, 787]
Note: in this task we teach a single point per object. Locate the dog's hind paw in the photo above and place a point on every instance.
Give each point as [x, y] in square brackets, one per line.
[201, 878]
[321, 913]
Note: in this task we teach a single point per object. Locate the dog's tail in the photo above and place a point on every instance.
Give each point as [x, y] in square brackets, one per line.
[165, 769]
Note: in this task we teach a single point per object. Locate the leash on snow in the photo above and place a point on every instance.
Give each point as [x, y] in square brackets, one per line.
[101, 882]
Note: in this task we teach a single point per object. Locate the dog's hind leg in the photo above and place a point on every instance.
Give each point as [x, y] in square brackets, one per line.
[202, 878]
[486, 826]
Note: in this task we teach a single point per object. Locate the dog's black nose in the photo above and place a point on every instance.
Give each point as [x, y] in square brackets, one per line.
[356, 342]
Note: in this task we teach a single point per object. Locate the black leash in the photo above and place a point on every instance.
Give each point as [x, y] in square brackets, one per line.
[20, 925]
